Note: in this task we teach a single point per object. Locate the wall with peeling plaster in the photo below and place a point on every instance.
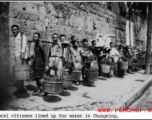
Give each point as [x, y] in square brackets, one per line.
[83, 20]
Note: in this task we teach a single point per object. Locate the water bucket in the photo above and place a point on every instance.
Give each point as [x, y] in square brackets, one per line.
[22, 72]
[142, 61]
[91, 75]
[130, 62]
[53, 85]
[31, 73]
[134, 67]
[123, 65]
[112, 66]
[67, 81]
[105, 68]
[77, 73]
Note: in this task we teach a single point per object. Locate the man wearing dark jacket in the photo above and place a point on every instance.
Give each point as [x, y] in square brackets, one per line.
[40, 63]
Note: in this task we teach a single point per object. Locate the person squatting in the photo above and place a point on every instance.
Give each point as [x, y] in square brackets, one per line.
[62, 57]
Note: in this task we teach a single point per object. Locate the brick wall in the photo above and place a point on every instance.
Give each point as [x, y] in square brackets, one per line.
[85, 20]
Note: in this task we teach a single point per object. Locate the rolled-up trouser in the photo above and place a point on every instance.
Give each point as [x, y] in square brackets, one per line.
[58, 63]
[19, 83]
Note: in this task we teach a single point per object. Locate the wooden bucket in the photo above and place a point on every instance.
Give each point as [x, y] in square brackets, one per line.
[123, 65]
[53, 85]
[67, 81]
[134, 67]
[112, 66]
[130, 62]
[94, 64]
[105, 68]
[142, 61]
[21, 72]
[91, 75]
[77, 73]
[31, 73]
[139, 63]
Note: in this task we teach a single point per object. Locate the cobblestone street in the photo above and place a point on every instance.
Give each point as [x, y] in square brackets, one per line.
[105, 93]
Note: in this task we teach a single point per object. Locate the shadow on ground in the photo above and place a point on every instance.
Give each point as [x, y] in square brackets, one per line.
[23, 95]
[73, 88]
[88, 84]
[102, 78]
[65, 93]
[52, 99]
[31, 87]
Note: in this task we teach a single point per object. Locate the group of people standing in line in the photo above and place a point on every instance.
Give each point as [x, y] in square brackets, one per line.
[61, 53]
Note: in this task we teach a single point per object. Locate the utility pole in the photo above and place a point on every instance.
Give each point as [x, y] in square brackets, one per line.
[149, 38]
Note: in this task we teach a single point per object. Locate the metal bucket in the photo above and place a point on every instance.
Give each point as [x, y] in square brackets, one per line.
[53, 85]
[22, 72]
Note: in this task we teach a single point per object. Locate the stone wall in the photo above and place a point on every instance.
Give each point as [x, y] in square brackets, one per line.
[68, 18]
[138, 24]
[30, 16]
[85, 20]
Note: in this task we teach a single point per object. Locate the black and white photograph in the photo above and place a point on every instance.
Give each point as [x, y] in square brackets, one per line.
[75, 56]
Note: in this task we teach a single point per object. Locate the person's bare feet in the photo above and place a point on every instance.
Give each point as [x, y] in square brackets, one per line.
[41, 94]
[35, 93]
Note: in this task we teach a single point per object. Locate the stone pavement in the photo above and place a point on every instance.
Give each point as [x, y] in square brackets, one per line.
[145, 101]
[105, 93]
